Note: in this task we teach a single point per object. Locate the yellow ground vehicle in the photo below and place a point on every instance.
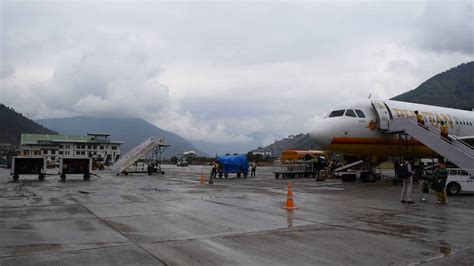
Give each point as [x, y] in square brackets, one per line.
[300, 163]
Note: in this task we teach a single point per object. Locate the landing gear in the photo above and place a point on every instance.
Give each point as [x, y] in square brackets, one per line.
[368, 176]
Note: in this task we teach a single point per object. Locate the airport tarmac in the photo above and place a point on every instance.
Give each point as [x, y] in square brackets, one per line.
[172, 219]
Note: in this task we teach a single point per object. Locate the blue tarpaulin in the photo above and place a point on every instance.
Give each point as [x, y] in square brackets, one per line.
[234, 163]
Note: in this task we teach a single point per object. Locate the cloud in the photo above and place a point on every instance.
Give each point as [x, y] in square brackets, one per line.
[230, 74]
[447, 26]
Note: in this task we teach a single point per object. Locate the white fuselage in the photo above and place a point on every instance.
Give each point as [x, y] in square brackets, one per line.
[357, 132]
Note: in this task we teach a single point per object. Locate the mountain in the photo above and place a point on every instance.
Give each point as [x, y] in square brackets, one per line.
[453, 88]
[12, 124]
[131, 131]
[301, 141]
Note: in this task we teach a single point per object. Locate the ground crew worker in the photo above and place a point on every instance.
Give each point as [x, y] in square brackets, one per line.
[253, 169]
[439, 182]
[419, 118]
[444, 130]
[213, 172]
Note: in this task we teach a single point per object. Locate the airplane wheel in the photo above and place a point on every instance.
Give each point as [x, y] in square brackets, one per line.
[372, 177]
[87, 176]
[41, 177]
[63, 178]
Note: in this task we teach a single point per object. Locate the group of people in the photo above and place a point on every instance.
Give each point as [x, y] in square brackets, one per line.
[444, 130]
[407, 172]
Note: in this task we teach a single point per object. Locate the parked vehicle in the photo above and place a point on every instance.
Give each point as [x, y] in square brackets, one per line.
[300, 163]
[182, 162]
[459, 181]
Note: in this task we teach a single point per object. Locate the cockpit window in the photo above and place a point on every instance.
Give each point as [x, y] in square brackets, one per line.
[336, 113]
[350, 113]
[360, 113]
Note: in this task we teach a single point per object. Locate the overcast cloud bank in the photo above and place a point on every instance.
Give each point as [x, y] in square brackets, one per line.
[237, 75]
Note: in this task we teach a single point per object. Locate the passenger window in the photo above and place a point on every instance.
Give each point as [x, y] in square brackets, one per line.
[350, 113]
[360, 113]
[336, 113]
[464, 172]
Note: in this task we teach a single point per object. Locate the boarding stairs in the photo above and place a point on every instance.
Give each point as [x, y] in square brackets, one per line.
[454, 149]
[136, 154]
[348, 166]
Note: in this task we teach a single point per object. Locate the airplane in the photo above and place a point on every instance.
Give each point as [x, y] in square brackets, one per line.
[352, 127]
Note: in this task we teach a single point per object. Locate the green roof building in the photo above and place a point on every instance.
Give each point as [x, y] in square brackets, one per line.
[97, 146]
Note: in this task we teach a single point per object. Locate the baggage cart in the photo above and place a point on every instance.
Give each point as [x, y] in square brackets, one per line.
[75, 166]
[28, 166]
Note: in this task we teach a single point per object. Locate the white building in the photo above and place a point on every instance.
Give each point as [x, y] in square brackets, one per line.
[97, 146]
[262, 152]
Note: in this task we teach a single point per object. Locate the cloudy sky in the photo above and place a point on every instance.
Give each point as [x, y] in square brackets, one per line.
[223, 74]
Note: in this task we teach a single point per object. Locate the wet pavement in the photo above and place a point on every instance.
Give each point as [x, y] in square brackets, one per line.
[172, 219]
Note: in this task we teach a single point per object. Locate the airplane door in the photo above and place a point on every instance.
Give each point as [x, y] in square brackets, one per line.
[456, 125]
[383, 113]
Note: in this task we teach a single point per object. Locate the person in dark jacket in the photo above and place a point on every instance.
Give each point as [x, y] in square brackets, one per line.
[420, 175]
[439, 182]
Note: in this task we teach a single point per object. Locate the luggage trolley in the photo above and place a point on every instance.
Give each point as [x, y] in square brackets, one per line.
[28, 166]
[75, 166]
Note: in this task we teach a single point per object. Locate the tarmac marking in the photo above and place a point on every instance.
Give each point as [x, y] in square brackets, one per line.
[118, 231]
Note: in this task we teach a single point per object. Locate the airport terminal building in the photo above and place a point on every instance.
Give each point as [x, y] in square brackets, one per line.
[97, 146]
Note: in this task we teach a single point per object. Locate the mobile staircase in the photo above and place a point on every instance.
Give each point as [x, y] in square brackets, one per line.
[139, 152]
[454, 149]
[348, 166]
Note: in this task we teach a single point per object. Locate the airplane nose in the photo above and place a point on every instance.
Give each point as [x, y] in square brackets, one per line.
[320, 136]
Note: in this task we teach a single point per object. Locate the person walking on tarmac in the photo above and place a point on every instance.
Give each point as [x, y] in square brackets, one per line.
[406, 175]
[213, 172]
[420, 119]
[421, 176]
[253, 169]
[444, 131]
[439, 182]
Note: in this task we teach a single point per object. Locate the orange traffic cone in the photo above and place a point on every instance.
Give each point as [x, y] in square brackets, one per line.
[201, 179]
[290, 205]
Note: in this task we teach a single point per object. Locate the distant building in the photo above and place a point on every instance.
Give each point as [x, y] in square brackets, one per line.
[262, 152]
[95, 145]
